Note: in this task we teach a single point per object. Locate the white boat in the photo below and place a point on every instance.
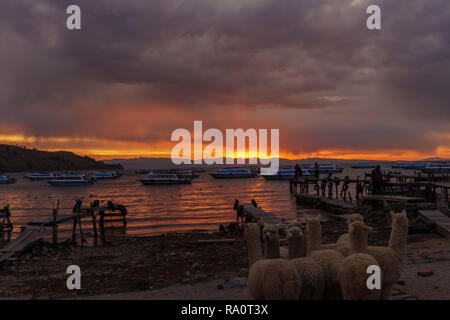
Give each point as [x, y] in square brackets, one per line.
[102, 175]
[155, 178]
[286, 174]
[71, 179]
[6, 179]
[437, 167]
[38, 176]
[233, 173]
[410, 165]
[323, 168]
[188, 174]
[363, 165]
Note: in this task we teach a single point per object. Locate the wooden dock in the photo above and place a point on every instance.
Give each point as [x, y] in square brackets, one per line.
[28, 236]
[330, 205]
[388, 198]
[438, 219]
[258, 214]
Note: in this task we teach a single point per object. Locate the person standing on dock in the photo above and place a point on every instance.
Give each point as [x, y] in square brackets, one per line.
[330, 186]
[316, 170]
[359, 188]
[298, 171]
[377, 179]
[323, 186]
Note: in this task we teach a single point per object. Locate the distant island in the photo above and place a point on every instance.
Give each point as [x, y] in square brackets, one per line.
[21, 159]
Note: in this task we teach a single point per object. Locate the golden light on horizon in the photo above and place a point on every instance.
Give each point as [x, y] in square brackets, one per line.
[102, 149]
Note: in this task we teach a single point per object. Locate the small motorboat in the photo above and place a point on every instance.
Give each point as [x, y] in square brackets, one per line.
[104, 175]
[164, 178]
[286, 174]
[410, 165]
[437, 167]
[40, 176]
[324, 168]
[363, 165]
[6, 179]
[71, 179]
[233, 173]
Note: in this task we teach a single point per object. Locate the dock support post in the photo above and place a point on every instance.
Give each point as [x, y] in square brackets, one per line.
[55, 230]
[94, 222]
[74, 229]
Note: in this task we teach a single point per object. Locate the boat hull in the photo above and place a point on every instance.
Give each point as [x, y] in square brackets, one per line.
[39, 178]
[436, 170]
[150, 182]
[232, 176]
[62, 183]
[8, 181]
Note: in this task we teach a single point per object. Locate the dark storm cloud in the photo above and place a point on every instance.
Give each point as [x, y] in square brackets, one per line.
[199, 58]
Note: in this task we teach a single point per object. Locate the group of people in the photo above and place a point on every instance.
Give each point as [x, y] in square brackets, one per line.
[376, 182]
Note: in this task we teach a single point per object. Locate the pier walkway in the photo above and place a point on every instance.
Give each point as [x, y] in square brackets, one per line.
[438, 219]
[258, 214]
[28, 236]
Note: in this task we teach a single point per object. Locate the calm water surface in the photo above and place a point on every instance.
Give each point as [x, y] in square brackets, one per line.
[204, 204]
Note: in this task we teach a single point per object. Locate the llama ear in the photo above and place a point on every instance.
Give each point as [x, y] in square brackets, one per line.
[404, 212]
[392, 213]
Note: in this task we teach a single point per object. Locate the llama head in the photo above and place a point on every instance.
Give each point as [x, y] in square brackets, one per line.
[399, 220]
[295, 224]
[270, 232]
[251, 230]
[355, 217]
[359, 232]
[294, 233]
[312, 224]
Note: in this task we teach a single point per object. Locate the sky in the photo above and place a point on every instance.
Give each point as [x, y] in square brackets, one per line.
[137, 70]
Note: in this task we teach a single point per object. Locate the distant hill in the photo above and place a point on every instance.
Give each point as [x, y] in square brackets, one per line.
[21, 159]
[148, 163]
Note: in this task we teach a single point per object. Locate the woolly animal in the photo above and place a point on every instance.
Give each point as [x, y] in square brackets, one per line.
[271, 241]
[353, 277]
[391, 259]
[329, 260]
[269, 279]
[309, 271]
[296, 242]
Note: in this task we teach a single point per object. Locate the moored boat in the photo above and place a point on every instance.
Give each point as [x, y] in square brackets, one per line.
[410, 165]
[323, 168]
[363, 165]
[155, 178]
[102, 175]
[437, 167]
[286, 174]
[6, 179]
[40, 176]
[71, 179]
[233, 173]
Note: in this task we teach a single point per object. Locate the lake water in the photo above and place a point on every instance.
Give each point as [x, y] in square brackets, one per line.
[204, 204]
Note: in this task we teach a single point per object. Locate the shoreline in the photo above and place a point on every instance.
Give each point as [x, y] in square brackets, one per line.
[179, 266]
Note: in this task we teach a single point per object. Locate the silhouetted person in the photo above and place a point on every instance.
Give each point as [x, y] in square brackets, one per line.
[377, 180]
[298, 171]
[316, 170]
[330, 186]
[359, 189]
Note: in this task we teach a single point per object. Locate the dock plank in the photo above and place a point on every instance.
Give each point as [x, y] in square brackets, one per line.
[438, 218]
[29, 235]
[260, 214]
[393, 198]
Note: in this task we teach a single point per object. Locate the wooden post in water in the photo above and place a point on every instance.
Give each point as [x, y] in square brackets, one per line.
[55, 226]
[94, 222]
[74, 229]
